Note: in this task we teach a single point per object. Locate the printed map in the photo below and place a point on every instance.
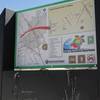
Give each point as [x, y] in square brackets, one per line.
[29, 45]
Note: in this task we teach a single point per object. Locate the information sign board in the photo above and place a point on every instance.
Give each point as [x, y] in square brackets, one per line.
[61, 35]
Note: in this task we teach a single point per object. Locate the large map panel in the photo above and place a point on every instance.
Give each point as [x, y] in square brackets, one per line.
[30, 43]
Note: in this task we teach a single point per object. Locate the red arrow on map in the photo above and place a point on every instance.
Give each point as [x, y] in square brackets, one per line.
[35, 28]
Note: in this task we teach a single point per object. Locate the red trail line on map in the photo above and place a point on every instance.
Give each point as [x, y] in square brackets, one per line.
[35, 28]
